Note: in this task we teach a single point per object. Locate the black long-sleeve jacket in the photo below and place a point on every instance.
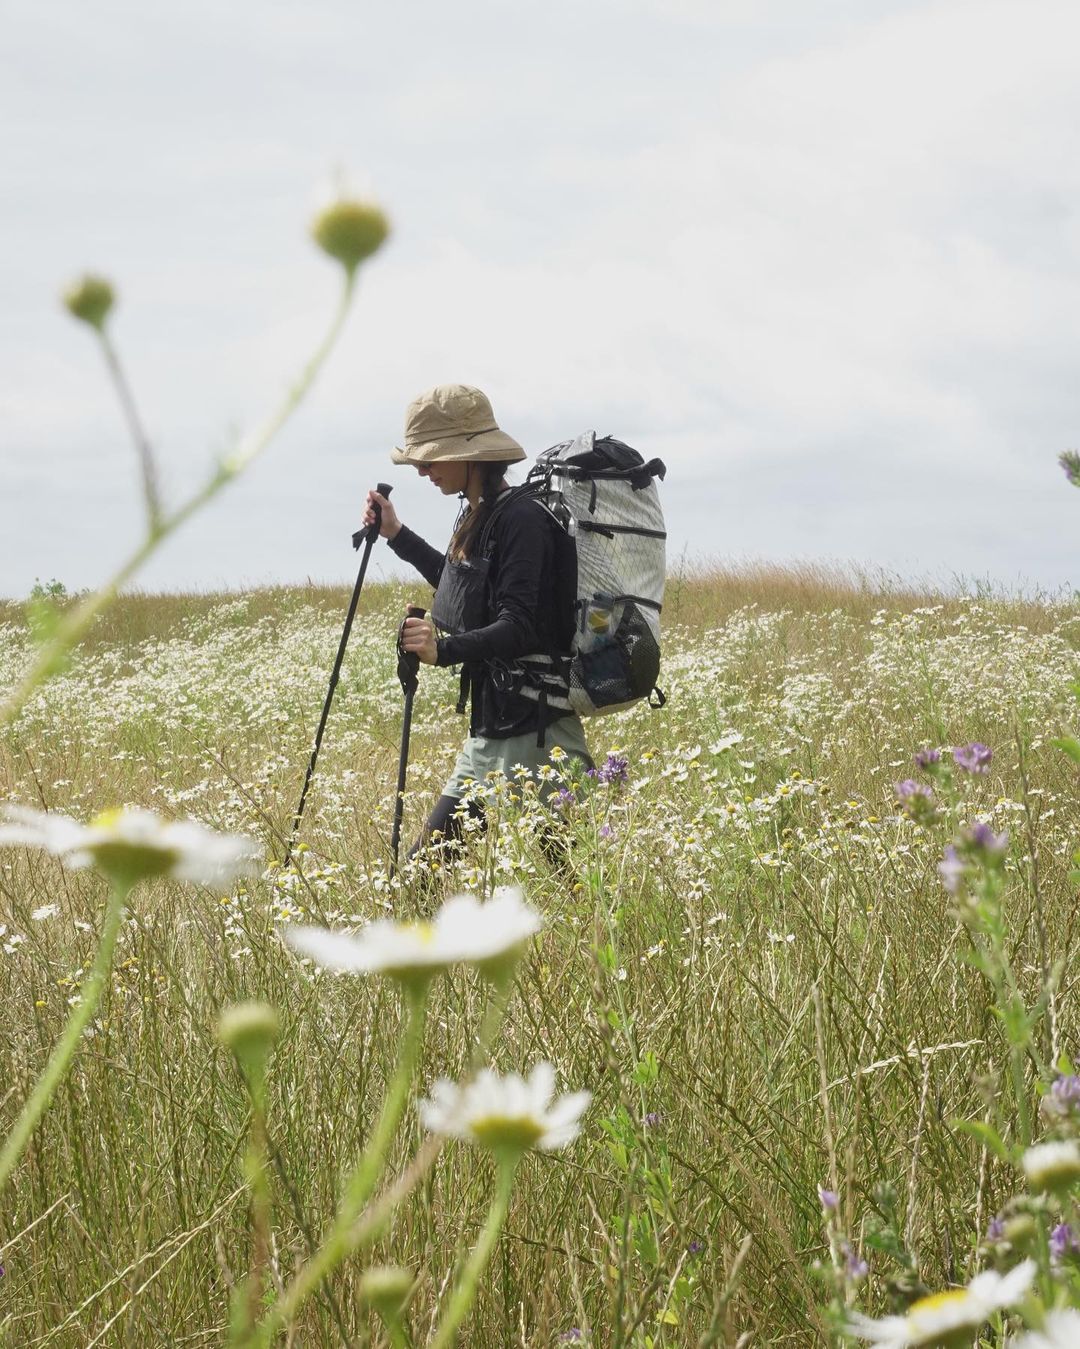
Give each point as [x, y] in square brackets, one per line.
[531, 610]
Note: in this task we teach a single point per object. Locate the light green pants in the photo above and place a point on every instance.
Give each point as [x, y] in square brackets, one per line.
[481, 755]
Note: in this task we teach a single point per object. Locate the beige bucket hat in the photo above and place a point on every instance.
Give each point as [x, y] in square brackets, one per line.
[454, 421]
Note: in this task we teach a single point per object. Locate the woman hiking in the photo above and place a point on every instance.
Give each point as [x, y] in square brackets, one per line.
[504, 590]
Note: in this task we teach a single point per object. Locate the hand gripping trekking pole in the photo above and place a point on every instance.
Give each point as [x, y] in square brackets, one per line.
[367, 537]
[408, 666]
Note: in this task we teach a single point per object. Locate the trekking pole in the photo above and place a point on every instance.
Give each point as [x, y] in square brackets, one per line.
[408, 667]
[367, 537]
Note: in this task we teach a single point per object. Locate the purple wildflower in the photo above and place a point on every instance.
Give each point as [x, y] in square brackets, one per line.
[606, 831]
[571, 1336]
[695, 1248]
[830, 1200]
[924, 758]
[951, 868]
[985, 840]
[614, 769]
[654, 1119]
[1070, 462]
[916, 800]
[855, 1267]
[973, 758]
[996, 1230]
[1066, 1091]
[1063, 1242]
[563, 799]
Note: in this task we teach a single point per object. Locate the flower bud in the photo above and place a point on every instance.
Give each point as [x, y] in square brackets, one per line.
[90, 299]
[385, 1288]
[250, 1030]
[350, 231]
[1020, 1231]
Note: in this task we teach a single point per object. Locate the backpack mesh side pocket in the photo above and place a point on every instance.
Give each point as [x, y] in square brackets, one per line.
[624, 667]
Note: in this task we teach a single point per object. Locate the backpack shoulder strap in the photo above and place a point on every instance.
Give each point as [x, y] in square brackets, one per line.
[526, 492]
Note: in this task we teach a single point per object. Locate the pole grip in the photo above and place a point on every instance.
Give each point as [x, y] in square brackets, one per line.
[371, 533]
[415, 611]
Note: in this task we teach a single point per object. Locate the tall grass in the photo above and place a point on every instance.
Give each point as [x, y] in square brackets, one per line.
[748, 957]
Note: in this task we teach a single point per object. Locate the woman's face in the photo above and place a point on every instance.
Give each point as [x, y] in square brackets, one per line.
[450, 477]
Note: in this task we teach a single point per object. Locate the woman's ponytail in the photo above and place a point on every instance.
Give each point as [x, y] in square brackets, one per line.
[469, 527]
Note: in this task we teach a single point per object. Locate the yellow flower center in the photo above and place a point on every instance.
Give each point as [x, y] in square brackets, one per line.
[423, 932]
[125, 859]
[516, 1132]
[935, 1300]
[925, 1318]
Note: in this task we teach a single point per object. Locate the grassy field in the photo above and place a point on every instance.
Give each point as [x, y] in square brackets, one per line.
[750, 960]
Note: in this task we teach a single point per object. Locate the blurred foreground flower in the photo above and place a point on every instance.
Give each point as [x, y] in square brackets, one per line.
[463, 931]
[506, 1114]
[946, 1317]
[130, 844]
[90, 299]
[350, 231]
[1052, 1166]
[1061, 1331]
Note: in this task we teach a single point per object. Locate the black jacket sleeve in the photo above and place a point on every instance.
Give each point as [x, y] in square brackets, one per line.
[411, 548]
[522, 556]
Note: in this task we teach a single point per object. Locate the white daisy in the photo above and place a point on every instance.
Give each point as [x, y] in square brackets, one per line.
[505, 1113]
[933, 1319]
[46, 911]
[1051, 1166]
[464, 930]
[1061, 1331]
[129, 844]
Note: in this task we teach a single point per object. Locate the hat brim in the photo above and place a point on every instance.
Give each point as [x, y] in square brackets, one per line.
[487, 446]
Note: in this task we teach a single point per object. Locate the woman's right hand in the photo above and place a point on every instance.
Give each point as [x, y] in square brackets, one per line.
[390, 522]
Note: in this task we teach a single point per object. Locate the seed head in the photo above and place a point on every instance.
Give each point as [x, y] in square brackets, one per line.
[350, 231]
[90, 299]
[385, 1287]
[250, 1030]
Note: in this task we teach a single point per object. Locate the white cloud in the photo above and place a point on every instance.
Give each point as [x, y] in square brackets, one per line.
[822, 259]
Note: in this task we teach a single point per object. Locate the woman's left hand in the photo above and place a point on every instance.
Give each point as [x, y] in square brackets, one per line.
[418, 637]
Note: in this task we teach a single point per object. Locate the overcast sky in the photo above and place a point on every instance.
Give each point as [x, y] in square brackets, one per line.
[820, 256]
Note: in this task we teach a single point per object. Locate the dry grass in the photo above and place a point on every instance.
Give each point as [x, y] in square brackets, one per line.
[677, 974]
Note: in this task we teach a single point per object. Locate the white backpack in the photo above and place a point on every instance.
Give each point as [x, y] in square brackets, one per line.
[603, 494]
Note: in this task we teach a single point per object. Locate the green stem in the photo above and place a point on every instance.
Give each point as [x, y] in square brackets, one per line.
[60, 1059]
[79, 618]
[464, 1293]
[491, 1025]
[398, 1337]
[138, 435]
[341, 1239]
[257, 1169]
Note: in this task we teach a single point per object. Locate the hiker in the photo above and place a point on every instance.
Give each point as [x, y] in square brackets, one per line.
[504, 589]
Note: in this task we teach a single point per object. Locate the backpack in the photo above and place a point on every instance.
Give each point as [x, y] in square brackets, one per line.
[603, 495]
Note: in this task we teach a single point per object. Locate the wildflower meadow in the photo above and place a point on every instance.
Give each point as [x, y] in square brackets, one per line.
[762, 1032]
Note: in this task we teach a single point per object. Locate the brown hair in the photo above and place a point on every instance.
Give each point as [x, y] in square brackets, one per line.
[472, 519]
